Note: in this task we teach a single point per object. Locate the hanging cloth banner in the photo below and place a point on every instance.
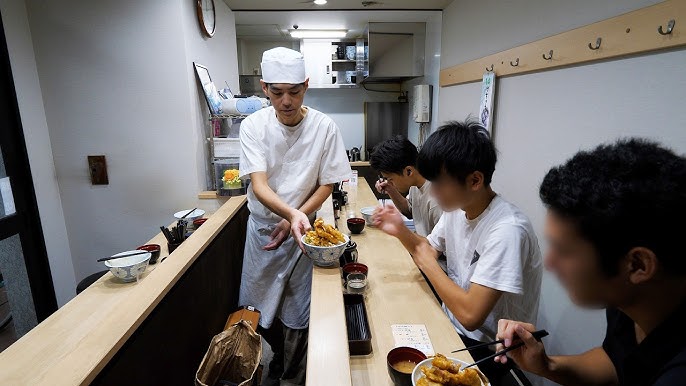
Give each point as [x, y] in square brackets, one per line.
[487, 100]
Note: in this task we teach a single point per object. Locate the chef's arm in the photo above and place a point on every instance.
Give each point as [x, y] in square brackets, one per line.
[269, 198]
[470, 307]
[273, 202]
[316, 199]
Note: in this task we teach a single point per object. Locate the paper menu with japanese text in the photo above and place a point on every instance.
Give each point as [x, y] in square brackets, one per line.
[413, 335]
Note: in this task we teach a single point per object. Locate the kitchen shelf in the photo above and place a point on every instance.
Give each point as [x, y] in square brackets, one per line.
[222, 148]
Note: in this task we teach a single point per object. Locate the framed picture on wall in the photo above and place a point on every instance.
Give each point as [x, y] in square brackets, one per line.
[209, 89]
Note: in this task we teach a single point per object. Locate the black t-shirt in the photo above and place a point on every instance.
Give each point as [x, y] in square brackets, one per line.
[660, 359]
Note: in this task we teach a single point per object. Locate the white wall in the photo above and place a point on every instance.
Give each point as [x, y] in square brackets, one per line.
[117, 80]
[29, 98]
[250, 52]
[219, 55]
[544, 118]
[432, 68]
[346, 108]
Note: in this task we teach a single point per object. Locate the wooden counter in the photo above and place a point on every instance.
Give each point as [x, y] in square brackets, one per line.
[396, 294]
[151, 332]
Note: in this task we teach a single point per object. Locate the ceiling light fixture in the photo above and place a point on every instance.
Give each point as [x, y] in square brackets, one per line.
[319, 2]
[318, 33]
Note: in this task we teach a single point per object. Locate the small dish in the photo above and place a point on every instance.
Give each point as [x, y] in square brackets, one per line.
[194, 215]
[354, 268]
[356, 283]
[367, 213]
[355, 225]
[154, 250]
[399, 358]
[129, 268]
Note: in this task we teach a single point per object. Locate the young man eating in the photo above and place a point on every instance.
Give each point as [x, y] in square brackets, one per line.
[615, 242]
[395, 159]
[494, 262]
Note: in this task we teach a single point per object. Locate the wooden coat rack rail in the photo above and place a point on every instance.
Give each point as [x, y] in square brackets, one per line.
[652, 28]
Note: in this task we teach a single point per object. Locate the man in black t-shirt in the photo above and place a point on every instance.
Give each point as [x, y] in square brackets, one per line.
[615, 232]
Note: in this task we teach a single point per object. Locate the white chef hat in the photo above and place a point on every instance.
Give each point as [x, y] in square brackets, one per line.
[283, 65]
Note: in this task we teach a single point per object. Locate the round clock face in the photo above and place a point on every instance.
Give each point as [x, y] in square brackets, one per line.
[207, 16]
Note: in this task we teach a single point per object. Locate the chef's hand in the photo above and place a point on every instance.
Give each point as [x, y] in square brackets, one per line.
[279, 235]
[530, 357]
[300, 224]
[388, 219]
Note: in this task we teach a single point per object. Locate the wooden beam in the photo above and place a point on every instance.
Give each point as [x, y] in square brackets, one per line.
[628, 34]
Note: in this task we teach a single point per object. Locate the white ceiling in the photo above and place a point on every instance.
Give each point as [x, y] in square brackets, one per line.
[271, 5]
[274, 26]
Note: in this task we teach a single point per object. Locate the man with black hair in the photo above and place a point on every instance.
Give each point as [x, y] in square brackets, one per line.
[494, 262]
[615, 243]
[395, 159]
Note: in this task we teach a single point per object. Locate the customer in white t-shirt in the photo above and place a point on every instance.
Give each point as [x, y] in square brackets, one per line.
[494, 261]
[395, 160]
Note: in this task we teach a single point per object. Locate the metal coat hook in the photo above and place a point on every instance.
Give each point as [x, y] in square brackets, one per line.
[597, 44]
[670, 28]
[515, 63]
[550, 56]
[489, 69]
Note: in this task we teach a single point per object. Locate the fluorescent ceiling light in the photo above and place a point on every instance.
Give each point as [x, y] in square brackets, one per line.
[320, 2]
[318, 33]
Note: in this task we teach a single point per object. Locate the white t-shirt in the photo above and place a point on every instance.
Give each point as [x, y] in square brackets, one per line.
[296, 159]
[425, 210]
[499, 250]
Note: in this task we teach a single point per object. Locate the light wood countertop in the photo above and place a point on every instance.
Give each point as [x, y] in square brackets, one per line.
[397, 294]
[327, 348]
[360, 163]
[72, 345]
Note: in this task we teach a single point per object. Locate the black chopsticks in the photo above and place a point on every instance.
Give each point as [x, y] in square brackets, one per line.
[120, 256]
[177, 234]
[356, 322]
[537, 334]
[189, 212]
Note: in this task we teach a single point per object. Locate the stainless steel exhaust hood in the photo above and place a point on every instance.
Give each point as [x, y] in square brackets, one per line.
[396, 51]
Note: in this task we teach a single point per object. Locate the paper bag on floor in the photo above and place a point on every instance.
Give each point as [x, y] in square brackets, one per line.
[233, 357]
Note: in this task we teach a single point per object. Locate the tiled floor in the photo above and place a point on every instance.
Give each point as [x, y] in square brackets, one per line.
[7, 335]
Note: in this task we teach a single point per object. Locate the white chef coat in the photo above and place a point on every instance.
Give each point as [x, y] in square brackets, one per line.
[499, 250]
[296, 160]
[425, 210]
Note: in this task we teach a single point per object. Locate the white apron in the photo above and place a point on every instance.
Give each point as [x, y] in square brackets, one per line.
[296, 160]
[272, 282]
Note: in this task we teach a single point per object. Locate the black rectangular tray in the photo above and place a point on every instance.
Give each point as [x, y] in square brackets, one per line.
[357, 323]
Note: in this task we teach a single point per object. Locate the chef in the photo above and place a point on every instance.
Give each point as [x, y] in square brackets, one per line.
[293, 155]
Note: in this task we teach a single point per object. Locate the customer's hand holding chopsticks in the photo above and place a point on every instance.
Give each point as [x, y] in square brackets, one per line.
[531, 356]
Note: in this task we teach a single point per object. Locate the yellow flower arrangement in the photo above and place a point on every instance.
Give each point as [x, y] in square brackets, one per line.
[231, 178]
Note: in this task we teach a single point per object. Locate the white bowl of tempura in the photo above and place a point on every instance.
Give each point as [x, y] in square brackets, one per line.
[324, 244]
